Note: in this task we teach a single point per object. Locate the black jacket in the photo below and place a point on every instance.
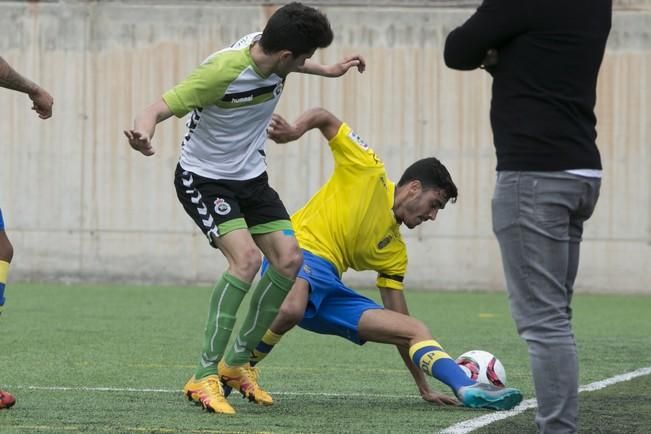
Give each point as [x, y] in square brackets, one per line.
[544, 83]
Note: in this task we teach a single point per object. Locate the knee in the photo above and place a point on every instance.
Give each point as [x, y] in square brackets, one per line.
[290, 262]
[555, 330]
[6, 251]
[247, 263]
[289, 315]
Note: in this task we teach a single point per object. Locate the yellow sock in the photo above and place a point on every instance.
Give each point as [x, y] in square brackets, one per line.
[264, 347]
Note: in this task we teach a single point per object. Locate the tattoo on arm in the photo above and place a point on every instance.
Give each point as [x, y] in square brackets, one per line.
[10, 79]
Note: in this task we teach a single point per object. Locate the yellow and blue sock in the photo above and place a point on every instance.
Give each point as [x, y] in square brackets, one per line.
[4, 272]
[264, 347]
[433, 360]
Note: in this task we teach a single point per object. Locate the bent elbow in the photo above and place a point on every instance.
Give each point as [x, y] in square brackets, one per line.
[457, 55]
[454, 60]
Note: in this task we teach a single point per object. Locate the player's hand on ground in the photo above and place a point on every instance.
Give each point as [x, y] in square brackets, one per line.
[438, 398]
[43, 103]
[281, 131]
[339, 69]
[140, 142]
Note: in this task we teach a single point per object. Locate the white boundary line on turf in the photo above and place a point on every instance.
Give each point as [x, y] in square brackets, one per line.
[479, 422]
[179, 391]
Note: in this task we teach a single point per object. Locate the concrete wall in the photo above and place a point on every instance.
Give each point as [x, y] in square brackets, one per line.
[79, 204]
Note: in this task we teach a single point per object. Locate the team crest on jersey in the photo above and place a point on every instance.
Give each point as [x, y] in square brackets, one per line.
[384, 242]
[357, 139]
[222, 207]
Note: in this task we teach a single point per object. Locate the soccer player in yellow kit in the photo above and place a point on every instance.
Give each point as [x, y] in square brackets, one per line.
[353, 222]
[42, 103]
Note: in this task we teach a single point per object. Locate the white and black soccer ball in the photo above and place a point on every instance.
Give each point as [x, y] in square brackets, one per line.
[483, 367]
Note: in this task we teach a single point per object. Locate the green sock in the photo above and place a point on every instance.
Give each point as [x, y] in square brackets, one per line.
[267, 298]
[224, 302]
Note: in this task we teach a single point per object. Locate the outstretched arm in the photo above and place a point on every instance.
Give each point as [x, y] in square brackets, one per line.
[41, 99]
[336, 70]
[145, 125]
[281, 131]
[395, 301]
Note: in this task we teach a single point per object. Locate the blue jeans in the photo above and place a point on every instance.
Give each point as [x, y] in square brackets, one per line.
[538, 221]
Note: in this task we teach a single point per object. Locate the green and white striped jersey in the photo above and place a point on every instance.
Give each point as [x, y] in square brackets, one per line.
[230, 104]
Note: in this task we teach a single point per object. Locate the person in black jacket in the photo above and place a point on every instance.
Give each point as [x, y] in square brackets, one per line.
[544, 58]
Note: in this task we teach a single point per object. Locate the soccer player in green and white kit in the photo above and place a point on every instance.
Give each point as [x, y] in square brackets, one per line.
[221, 181]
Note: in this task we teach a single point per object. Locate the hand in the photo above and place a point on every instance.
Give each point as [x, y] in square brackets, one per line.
[43, 103]
[140, 142]
[339, 69]
[490, 59]
[280, 131]
[438, 398]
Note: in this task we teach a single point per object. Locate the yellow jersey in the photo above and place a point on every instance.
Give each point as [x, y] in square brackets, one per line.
[350, 221]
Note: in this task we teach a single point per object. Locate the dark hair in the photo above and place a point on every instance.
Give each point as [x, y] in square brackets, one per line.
[297, 28]
[432, 174]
